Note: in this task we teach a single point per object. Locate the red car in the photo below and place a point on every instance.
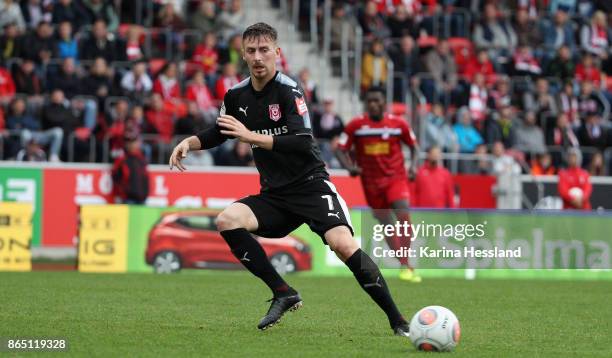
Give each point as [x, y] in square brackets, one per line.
[191, 240]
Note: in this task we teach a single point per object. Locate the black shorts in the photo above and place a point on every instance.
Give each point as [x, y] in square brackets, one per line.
[314, 202]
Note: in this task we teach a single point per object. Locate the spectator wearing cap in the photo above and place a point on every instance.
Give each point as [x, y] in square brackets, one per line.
[10, 42]
[10, 12]
[30, 129]
[130, 174]
[434, 183]
[575, 183]
[67, 45]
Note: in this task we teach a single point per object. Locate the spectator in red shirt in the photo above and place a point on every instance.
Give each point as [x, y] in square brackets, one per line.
[133, 50]
[574, 183]
[130, 174]
[434, 183]
[542, 165]
[587, 71]
[205, 55]
[480, 64]
[7, 86]
[167, 85]
[160, 120]
[198, 92]
[227, 80]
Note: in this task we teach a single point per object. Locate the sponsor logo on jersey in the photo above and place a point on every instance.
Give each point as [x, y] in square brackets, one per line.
[275, 113]
[380, 148]
[301, 105]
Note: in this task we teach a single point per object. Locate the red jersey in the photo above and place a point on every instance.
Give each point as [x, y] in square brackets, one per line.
[575, 178]
[378, 147]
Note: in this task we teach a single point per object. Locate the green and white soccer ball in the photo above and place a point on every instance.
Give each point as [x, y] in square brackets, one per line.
[435, 328]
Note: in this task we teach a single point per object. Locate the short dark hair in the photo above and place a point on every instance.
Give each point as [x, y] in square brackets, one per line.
[260, 29]
[377, 89]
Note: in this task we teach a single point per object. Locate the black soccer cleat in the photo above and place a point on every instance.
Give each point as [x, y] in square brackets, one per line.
[279, 306]
[402, 330]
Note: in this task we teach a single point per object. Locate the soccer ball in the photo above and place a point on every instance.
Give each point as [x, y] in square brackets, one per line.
[576, 193]
[435, 328]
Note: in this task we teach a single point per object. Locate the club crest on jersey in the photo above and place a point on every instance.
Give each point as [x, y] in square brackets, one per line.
[275, 113]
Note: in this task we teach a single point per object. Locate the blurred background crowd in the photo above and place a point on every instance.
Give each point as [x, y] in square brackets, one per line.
[524, 79]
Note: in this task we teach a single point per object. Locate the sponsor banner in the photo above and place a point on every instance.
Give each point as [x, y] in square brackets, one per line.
[486, 240]
[58, 191]
[15, 236]
[24, 185]
[564, 246]
[103, 238]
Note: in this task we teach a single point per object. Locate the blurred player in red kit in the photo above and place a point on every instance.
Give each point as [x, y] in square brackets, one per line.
[377, 137]
[574, 183]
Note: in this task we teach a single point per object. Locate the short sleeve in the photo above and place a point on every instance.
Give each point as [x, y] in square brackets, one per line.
[347, 137]
[408, 136]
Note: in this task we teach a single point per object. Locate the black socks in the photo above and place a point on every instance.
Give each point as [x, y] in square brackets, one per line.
[253, 257]
[371, 280]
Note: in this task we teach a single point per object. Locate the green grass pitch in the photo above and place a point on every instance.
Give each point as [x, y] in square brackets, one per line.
[216, 313]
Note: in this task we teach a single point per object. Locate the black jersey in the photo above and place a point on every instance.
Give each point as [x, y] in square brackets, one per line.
[279, 109]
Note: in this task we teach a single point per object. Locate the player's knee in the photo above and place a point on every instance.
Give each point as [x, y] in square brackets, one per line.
[343, 244]
[226, 220]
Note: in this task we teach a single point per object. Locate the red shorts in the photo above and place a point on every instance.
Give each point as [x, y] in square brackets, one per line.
[381, 196]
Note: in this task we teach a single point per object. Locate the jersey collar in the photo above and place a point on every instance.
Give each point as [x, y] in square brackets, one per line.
[266, 88]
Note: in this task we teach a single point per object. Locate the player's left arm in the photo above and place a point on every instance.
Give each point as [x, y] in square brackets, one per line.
[295, 110]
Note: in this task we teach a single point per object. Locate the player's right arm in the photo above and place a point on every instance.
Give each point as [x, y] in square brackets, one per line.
[344, 146]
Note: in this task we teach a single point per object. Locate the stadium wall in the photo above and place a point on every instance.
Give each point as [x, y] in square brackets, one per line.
[57, 191]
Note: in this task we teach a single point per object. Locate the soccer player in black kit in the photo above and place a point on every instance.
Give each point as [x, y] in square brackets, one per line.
[268, 111]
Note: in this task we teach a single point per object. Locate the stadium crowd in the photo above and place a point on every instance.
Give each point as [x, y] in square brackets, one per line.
[524, 79]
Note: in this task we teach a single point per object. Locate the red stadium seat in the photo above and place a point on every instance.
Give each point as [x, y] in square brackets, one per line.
[155, 65]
